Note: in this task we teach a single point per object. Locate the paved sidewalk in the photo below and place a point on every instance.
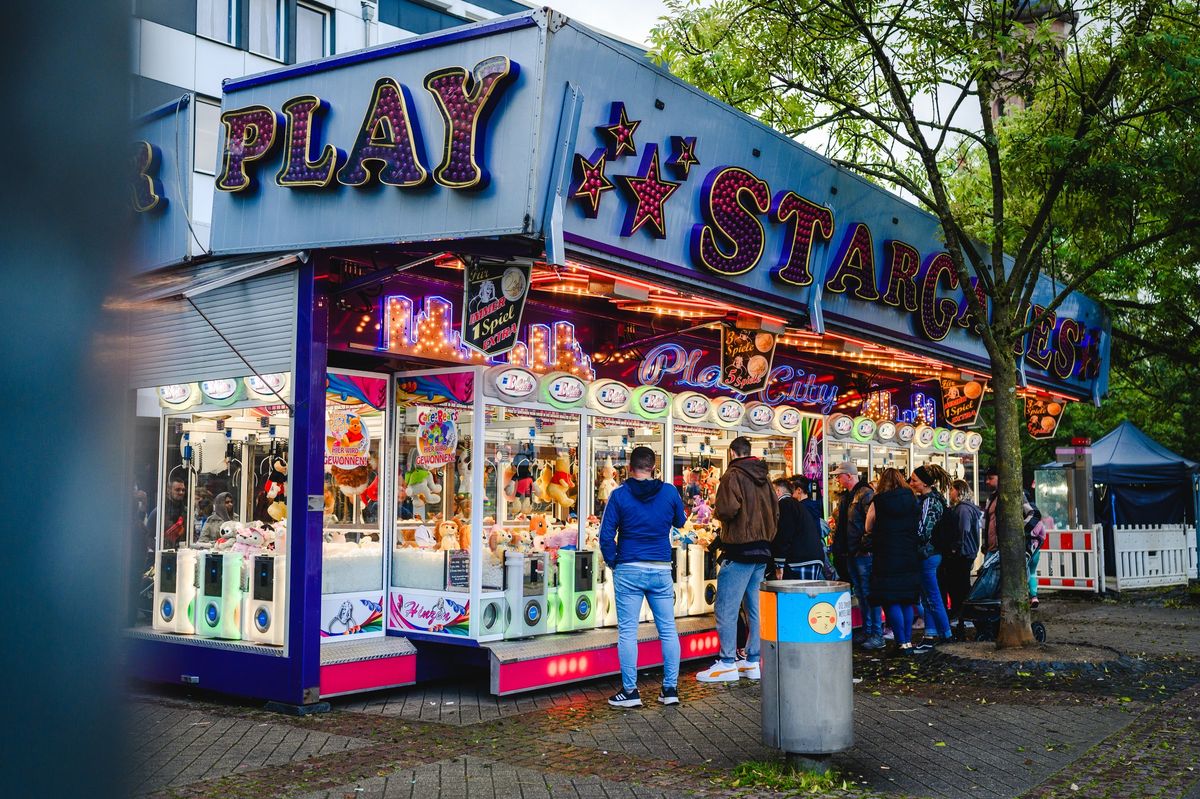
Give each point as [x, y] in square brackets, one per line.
[922, 729]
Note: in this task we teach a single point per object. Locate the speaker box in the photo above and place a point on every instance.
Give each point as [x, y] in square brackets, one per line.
[702, 580]
[525, 594]
[576, 590]
[219, 599]
[493, 618]
[175, 591]
[264, 611]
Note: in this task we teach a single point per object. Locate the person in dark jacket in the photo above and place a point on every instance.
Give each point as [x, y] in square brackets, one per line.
[954, 574]
[891, 525]
[749, 513]
[635, 540]
[797, 548]
[802, 492]
[929, 483]
[848, 541]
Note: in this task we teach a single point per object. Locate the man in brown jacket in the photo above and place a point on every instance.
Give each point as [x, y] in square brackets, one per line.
[748, 512]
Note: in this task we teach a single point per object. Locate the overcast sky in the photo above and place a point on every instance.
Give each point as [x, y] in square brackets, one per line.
[629, 19]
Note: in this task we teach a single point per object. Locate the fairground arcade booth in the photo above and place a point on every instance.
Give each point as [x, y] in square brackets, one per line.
[454, 281]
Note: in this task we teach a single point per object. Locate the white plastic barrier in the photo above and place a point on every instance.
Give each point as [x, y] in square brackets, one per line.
[1153, 555]
[1191, 545]
[1072, 560]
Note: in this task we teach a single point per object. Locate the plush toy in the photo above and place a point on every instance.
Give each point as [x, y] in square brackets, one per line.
[277, 541]
[499, 540]
[573, 491]
[522, 540]
[557, 489]
[538, 524]
[701, 511]
[249, 541]
[277, 510]
[608, 480]
[539, 544]
[276, 485]
[421, 488]
[523, 486]
[563, 538]
[541, 486]
[355, 480]
[335, 537]
[448, 533]
[591, 534]
[682, 537]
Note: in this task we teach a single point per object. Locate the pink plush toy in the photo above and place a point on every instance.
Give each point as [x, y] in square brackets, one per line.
[700, 510]
[563, 538]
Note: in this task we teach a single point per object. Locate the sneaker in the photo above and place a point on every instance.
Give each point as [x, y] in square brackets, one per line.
[739, 654]
[669, 696]
[889, 636]
[720, 672]
[626, 699]
[918, 624]
[749, 670]
[1033, 603]
[873, 643]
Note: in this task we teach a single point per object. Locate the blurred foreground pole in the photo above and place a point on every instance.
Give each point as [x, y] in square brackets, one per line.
[63, 484]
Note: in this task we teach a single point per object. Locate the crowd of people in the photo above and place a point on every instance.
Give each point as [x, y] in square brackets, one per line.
[906, 544]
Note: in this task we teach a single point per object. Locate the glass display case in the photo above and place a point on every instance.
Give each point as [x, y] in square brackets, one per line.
[354, 454]
[610, 440]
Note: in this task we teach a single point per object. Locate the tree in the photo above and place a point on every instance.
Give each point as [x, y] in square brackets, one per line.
[904, 93]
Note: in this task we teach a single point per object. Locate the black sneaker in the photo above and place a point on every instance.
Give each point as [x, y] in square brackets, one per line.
[627, 699]
[669, 696]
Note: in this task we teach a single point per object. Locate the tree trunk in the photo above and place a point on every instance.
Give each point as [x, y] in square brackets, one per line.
[1010, 525]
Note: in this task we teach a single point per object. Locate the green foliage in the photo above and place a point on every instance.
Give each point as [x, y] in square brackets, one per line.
[779, 778]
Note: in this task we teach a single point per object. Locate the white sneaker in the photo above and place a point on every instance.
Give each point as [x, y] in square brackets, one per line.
[748, 670]
[720, 672]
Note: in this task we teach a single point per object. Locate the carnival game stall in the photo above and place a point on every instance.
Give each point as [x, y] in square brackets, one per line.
[486, 264]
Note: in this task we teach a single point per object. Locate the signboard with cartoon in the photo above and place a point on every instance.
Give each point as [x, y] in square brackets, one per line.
[961, 400]
[746, 357]
[1042, 415]
[493, 303]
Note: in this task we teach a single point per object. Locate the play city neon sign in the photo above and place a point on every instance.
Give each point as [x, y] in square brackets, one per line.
[388, 149]
[787, 383]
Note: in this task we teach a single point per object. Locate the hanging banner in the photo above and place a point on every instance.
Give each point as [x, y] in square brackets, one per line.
[347, 439]
[437, 437]
[961, 400]
[1042, 416]
[493, 302]
[746, 357]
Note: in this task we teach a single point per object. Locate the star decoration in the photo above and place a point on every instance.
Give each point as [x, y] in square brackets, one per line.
[589, 183]
[619, 131]
[648, 194]
[683, 156]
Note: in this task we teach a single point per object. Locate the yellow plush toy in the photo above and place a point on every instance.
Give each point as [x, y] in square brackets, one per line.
[561, 483]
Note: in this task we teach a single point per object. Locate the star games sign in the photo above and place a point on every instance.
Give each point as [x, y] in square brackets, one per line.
[531, 126]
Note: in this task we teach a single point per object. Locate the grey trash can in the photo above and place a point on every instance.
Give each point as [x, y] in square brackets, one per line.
[807, 669]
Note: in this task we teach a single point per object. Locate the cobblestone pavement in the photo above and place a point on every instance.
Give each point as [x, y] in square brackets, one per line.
[923, 728]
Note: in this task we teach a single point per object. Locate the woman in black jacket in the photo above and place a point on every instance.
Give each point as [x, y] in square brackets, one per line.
[797, 548]
[891, 525]
[954, 575]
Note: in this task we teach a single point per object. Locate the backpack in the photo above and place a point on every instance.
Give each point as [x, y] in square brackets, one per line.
[947, 538]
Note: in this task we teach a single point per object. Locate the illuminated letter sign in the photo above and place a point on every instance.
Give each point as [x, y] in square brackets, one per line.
[1040, 352]
[855, 261]
[806, 221]
[903, 264]
[937, 314]
[147, 190]
[723, 199]
[390, 137]
[303, 129]
[465, 110]
[249, 136]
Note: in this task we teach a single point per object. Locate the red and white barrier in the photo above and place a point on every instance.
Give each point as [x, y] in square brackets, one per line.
[1072, 560]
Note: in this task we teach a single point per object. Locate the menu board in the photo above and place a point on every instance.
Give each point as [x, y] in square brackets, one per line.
[746, 357]
[961, 400]
[458, 570]
[1042, 415]
[493, 301]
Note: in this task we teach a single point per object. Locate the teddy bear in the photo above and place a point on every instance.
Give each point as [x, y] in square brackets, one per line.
[355, 480]
[608, 480]
[423, 537]
[448, 535]
[521, 540]
[560, 484]
[249, 541]
[463, 526]
[701, 511]
[277, 510]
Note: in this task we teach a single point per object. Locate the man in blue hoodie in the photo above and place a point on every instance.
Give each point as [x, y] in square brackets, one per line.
[635, 539]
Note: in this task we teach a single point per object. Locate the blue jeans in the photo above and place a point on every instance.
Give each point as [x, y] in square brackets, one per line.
[931, 597]
[630, 584]
[900, 619]
[738, 583]
[860, 579]
[1033, 564]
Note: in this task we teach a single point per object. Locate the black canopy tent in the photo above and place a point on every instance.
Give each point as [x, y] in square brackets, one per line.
[1143, 481]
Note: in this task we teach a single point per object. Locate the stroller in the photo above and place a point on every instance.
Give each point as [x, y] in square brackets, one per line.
[982, 606]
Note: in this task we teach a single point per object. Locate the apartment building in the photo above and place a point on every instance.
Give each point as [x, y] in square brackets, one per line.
[188, 47]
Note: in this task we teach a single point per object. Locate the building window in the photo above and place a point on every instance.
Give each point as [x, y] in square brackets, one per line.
[312, 33]
[266, 28]
[217, 19]
[208, 124]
